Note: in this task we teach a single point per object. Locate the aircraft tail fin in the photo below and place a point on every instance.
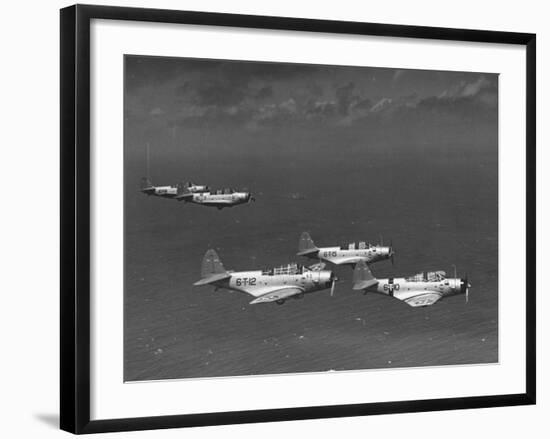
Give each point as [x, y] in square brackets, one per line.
[306, 246]
[211, 264]
[146, 183]
[212, 269]
[362, 276]
[183, 192]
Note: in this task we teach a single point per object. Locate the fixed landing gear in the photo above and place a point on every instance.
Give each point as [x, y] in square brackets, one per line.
[280, 301]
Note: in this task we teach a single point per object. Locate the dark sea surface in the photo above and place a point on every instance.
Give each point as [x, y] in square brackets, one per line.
[437, 201]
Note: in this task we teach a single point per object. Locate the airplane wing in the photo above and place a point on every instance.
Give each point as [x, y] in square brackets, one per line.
[279, 294]
[317, 267]
[346, 261]
[425, 299]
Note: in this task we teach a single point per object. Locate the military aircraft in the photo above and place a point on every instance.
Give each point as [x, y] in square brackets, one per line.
[171, 191]
[344, 256]
[219, 198]
[422, 289]
[274, 285]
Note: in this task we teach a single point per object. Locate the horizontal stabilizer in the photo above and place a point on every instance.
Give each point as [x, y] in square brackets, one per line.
[184, 197]
[363, 285]
[313, 251]
[362, 276]
[212, 279]
[147, 185]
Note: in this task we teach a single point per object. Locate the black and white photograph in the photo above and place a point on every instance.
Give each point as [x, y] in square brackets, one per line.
[275, 219]
[288, 218]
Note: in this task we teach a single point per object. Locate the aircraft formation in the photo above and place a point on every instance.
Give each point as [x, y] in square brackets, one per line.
[198, 194]
[293, 281]
[195, 193]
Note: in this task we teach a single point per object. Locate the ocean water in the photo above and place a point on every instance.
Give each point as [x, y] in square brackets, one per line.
[437, 203]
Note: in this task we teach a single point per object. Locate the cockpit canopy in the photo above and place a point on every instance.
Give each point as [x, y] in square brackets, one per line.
[362, 245]
[427, 276]
[224, 191]
[285, 270]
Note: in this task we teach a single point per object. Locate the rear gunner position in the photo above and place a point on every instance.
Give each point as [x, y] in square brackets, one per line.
[423, 289]
[275, 285]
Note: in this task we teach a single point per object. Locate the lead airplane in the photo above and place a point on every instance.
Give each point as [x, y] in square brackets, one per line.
[171, 191]
[274, 285]
[422, 289]
[219, 198]
[344, 256]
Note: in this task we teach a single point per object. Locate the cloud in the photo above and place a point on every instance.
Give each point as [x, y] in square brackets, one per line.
[257, 95]
[468, 89]
[466, 99]
[320, 109]
[381, 105]
[275, 114]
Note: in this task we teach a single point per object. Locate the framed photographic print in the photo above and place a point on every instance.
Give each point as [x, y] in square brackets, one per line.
[267, 218]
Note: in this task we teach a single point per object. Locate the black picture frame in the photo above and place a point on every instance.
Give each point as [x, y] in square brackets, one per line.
[75, 217]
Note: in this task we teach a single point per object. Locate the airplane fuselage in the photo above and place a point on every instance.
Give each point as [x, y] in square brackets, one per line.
[340, 256]
[219, 200]
[257, 283]
[417, 292]
[161, 191]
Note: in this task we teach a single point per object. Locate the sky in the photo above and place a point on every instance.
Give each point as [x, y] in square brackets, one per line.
[167, 95]
[409, 155]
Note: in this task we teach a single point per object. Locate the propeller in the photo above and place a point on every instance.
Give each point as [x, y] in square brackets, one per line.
[464, 284]
[334, 279]
[392, 252]
[467, 284]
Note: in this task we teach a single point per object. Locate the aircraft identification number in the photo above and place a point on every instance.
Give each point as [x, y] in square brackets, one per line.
[391, 287]
[328, 254]
[243, 281]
